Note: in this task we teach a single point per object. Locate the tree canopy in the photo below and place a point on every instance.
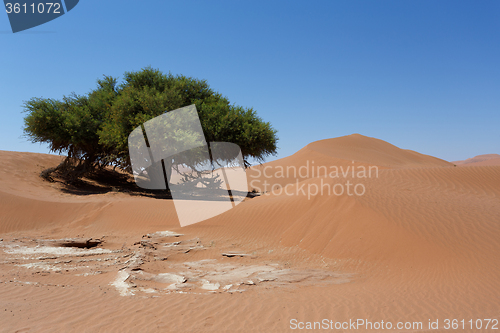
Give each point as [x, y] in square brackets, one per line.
[93, 129]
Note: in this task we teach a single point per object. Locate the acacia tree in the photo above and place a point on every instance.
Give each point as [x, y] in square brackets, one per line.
[93, 129]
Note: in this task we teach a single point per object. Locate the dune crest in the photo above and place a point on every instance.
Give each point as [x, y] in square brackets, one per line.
[363, 149]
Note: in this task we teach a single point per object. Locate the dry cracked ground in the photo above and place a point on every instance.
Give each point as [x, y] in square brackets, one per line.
[157, 264]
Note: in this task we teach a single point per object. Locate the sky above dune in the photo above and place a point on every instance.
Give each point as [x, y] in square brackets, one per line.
[423, 75]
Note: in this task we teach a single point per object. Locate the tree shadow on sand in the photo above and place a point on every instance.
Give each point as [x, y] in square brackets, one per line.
[106, 181]
[110, 180]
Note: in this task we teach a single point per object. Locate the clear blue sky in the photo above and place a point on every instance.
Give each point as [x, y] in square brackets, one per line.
[423, 75]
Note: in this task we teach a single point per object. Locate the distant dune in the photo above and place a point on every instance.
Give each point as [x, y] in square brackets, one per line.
[480, 160]
[418, 241]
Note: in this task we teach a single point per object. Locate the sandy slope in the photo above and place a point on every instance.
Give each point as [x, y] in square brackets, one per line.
[422, 242]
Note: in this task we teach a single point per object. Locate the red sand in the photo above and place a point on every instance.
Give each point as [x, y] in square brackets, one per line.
[422, 243]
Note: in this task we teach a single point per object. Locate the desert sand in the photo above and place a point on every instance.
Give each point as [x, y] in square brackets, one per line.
[480, 160]
[420, 244]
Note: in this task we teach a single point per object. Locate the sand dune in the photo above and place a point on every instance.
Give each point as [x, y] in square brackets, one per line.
[344, 152]
[480, 160]
[422, 242]
[373, 151]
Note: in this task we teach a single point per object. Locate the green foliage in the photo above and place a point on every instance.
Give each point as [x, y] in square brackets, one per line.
[93, 129]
